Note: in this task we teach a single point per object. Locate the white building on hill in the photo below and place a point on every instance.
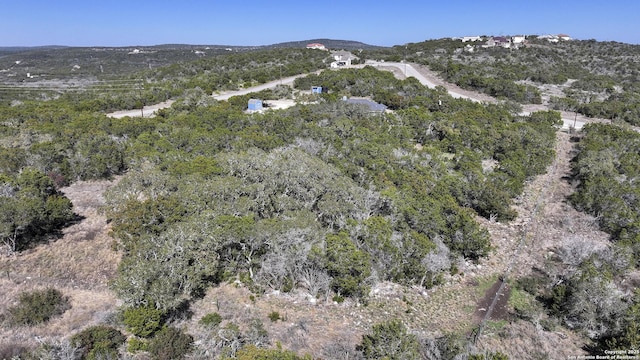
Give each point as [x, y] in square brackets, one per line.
[317, 46]
[471, 38]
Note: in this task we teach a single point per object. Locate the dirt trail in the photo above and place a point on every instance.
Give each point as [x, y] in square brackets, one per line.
[546, 222]
[500, 307]
[146, 111]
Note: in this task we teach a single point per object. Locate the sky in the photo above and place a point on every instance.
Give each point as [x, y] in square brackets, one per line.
[249, 23]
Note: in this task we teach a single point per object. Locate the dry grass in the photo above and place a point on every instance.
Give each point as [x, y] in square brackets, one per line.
[82, 258]
[525, 341]
[79, 264]
[309, 326]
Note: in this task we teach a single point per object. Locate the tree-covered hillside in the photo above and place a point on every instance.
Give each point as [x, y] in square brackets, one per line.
[314, 177]
[324, 197]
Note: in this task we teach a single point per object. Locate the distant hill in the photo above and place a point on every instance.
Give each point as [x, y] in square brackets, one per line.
[47, 63]
[329, 43]
[30, 64]
[18, 49]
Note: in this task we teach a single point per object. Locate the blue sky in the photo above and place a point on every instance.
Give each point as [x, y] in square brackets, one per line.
[230, 22]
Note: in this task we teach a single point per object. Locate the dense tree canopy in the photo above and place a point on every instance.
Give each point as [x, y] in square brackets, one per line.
[606, 169]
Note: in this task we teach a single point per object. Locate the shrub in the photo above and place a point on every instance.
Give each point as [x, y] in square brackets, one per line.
[348, 266]
[13, 351]
[98, 342]
[143, 321]
[170, 343]
[38, 306]
[489, 356]
[56, 349]
[211, 320]
[389, 340]
[251, 352]
[136, 344]
[274, 316]
[338, 298]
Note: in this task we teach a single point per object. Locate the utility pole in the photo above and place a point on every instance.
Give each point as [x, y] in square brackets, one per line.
[140, 88]
[405, 61]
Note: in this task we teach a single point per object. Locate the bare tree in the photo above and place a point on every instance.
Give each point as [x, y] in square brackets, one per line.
[575, 250]
[58, 350]
[437, 260]
[316, 281]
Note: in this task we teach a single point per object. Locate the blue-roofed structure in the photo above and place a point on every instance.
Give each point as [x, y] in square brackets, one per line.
[254, 105]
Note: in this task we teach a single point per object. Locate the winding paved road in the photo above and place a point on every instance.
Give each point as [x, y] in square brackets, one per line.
[410, 70]
[271, 84]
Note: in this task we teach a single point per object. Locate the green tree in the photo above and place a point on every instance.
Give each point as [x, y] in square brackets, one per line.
[143, 321]
[170, 343]
[97, 157]
[348, 266]
[30, 208]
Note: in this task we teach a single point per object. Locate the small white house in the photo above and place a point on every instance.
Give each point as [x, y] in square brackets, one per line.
[550, 38]
[494, 41]
[342, 58]
[518, 39]
[471, 38]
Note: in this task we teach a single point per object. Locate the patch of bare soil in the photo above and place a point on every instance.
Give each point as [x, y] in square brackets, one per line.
[500, 310]
[399, 74]
[79, 264]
